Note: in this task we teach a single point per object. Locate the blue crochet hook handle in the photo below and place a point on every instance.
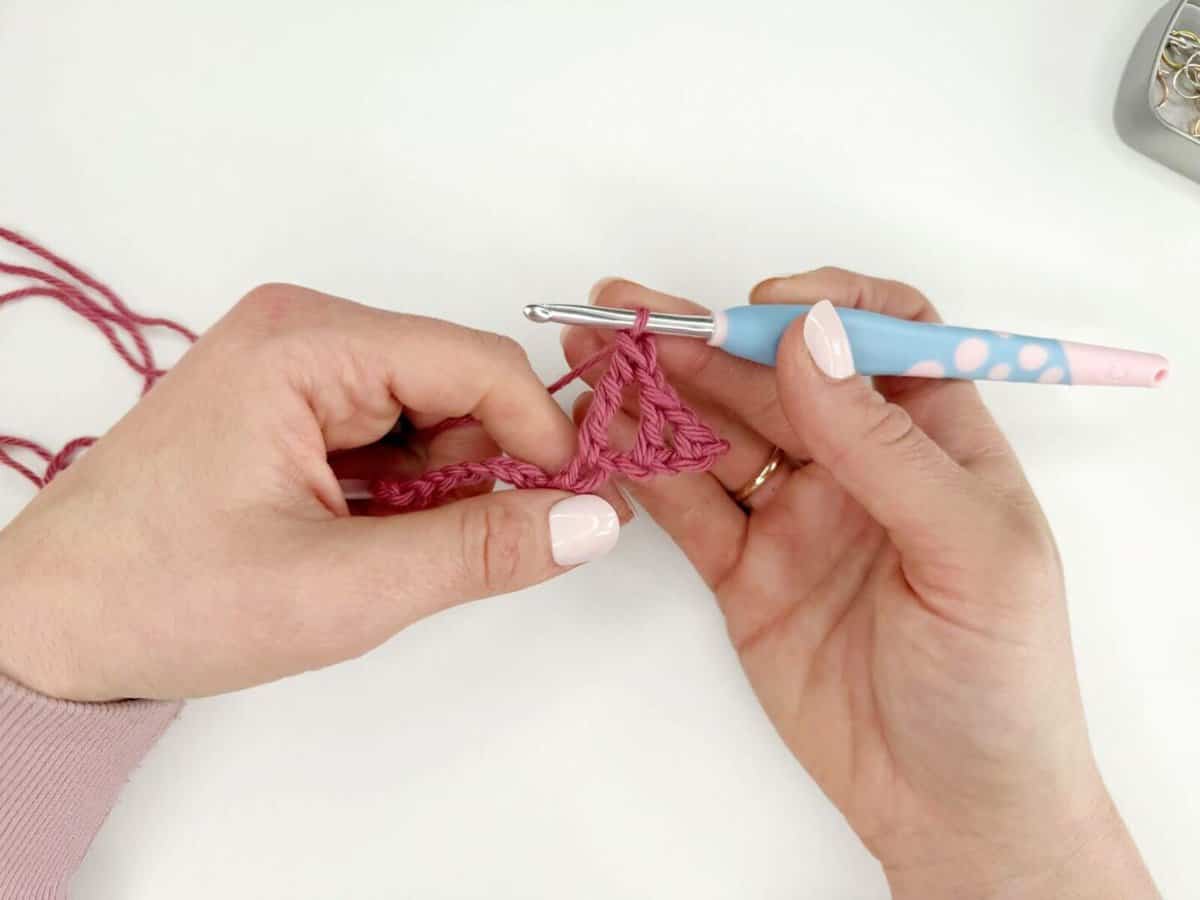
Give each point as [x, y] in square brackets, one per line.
[883, 345]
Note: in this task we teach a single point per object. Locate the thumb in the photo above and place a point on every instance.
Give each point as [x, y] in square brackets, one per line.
[486, 545]
[872, 447]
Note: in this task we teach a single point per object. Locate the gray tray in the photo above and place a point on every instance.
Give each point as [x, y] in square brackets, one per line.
[1160, 134]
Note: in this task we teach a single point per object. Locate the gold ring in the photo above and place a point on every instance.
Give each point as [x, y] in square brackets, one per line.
[1190, 41]
[743, 494]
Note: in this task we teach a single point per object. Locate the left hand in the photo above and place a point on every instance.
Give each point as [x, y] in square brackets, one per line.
[204, 544]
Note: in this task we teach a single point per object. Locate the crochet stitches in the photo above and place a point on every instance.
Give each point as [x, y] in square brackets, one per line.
[670, 437]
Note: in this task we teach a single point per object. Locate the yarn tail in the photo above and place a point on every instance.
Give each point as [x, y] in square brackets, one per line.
[54, 278]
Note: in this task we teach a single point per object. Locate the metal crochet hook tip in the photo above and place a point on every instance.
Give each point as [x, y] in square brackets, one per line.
[606, 317]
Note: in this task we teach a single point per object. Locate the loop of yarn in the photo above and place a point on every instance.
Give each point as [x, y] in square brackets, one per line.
[670, 437]
[108, 313]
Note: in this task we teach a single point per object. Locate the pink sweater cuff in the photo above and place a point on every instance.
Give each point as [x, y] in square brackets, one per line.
[62, 765]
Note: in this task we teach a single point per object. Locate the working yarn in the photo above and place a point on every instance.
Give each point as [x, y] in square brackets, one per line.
[669, 437]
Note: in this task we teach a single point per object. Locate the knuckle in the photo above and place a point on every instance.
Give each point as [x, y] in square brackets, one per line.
[904, 287]
[494, 536]
[1031, 546]
[266, 299]
[511, 349]
[621, 293]
[689, 361]
[848, 288]
[860, 291]
[1027, 554]
[881, 425]
[907, 300]
[889, 425]
[1029, 584]
[503, 347]
[275, 308]
[834, 272]
[288, 324]
[758, 293]
[793, 287]
[1021, 566]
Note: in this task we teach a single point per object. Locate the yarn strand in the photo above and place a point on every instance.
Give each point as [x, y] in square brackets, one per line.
[106, 311]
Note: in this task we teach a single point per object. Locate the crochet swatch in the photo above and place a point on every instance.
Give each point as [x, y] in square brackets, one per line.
[670, 438]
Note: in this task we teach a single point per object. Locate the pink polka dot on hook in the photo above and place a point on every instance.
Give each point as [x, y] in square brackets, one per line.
[970, 354]
[927, 368]
[1032, 356]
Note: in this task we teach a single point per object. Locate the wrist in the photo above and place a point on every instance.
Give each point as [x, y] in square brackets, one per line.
[1092, 859]
[33, 652]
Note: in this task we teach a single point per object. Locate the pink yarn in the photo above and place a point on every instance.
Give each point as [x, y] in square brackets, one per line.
[101, 306]
[670, 437]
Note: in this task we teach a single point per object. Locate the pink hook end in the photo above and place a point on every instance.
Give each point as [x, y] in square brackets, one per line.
[1106, 365]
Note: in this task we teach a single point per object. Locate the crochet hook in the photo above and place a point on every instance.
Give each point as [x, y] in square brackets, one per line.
[883, 345]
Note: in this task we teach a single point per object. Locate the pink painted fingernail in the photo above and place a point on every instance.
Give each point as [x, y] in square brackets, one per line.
[827, 342]
[582, 528]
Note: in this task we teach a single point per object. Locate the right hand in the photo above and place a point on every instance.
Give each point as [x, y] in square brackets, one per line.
[897, 601]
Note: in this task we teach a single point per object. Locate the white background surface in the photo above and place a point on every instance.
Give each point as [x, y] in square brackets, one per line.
[595, 738]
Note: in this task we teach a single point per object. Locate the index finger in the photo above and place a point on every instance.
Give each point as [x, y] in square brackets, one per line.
[951, 412]
[450, 370]
[358, 368]
[440, 370]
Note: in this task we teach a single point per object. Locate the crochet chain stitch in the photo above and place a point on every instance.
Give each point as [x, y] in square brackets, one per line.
[670, 438]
